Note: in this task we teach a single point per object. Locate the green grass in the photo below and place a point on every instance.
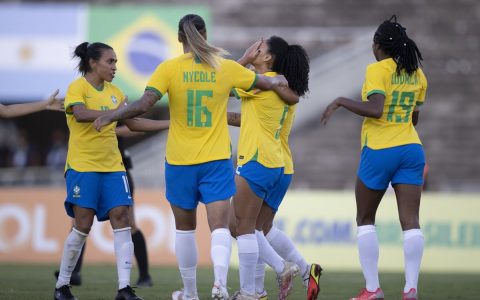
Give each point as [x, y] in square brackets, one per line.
[99, 282]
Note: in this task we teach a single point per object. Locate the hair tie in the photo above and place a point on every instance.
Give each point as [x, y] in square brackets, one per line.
[88, 44]
[390, 38]
[405, 44]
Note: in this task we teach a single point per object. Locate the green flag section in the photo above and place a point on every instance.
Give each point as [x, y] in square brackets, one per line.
[142, 36]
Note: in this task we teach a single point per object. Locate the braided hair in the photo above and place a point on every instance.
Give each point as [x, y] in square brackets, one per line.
[392, 38]
[292, 62]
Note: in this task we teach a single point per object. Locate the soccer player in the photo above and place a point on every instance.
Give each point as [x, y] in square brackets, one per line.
[198, 165]
[17, 110]
[261, 183]
[95, 176]
[392, 94]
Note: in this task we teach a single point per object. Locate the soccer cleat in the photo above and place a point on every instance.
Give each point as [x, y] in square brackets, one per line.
[126, 293]
[219, 292]
[243, 296]
[75, 279]
[286, 278]
[178, 295]
[144, 281]
[366, 295]
[313, 284]
[411, 295]
[263, 295]
[63, 293]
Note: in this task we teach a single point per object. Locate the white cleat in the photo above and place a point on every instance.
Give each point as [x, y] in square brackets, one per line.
[219, 292]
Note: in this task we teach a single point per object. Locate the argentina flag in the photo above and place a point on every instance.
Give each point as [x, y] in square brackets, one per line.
[37, 41]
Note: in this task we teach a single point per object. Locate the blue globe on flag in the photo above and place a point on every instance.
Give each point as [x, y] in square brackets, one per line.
[146, 50]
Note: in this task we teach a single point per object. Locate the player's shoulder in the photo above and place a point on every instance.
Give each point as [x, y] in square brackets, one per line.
[80, 82]
[383, 66]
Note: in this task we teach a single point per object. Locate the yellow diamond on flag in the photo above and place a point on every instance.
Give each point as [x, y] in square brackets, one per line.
[141, 47]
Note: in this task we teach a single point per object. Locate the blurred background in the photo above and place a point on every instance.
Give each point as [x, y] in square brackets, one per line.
[36, 43]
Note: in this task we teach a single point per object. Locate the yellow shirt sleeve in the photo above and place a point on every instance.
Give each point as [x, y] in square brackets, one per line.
[374, 81]
[242, 78]
[423, 90]
[160, 80]
[75, 95]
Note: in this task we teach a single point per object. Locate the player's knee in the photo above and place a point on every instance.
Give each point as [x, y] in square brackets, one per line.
[120, 217]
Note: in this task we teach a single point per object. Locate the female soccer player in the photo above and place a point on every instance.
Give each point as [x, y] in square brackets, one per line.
[17, 110]
[392, 94]
[198, 165]
[95, 176]
[261, 161]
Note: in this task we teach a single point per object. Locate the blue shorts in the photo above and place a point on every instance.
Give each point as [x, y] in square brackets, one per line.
[100, 191]
[398, 165]
[261, 179]
[207, 182]
[275, 197]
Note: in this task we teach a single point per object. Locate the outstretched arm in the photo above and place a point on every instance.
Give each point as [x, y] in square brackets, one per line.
[373, 108]
[127, 112]
[16, 110]
[146, 125]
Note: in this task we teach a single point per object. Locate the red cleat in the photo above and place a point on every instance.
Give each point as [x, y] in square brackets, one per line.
[313, 285]
[366, 295]
[411, 295]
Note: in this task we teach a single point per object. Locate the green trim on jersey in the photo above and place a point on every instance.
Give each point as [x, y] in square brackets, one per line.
[255, 157]
[253, 84]
[73, 104]
[159, 94]
[376, 92]
[235, 94]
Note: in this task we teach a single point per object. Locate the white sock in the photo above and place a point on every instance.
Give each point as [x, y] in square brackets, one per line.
[248, 258]
[284, 246]
[220, 252]
[71, 252]
[268, 254]
[260, 276]
[413, 251]
[187, 258]
[368, 253]
[123, 245]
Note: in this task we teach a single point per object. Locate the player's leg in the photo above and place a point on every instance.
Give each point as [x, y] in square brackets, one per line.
[407, 183]
[285, 270]
[368, 249]
[139, 242]
[246, 205]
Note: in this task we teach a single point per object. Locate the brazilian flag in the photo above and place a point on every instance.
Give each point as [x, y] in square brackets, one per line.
[142, 36]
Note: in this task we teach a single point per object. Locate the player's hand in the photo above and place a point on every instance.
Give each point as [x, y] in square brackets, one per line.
[329, 111]
[251, 53]
[101, 122]
[55, 104]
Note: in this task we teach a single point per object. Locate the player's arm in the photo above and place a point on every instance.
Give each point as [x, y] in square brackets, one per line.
[287, 95]
[16, 110]
[128, 112]
[373, 108]
[146, 125]
[234, 119]
[125, 132]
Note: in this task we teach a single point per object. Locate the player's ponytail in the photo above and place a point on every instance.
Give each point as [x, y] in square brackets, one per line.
[86, 51]
[392, 38]
[292, 62]
[191, 30]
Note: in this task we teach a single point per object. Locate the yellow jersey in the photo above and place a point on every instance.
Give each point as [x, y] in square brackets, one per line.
[89, 150]
[198, 96]
[263, 114]
[284, 135]
[402, 94]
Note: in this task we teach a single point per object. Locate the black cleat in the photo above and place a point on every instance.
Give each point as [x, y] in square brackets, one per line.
[63, 293]
[144, 281]
[75, 279]
[127, 293]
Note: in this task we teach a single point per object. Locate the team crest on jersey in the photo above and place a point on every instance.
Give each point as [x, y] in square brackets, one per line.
[114, 100]
[76, 191]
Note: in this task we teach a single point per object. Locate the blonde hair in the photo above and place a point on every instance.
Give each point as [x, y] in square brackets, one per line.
[191, 28]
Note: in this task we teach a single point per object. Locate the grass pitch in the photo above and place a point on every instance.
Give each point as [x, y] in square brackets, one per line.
[21, 282]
